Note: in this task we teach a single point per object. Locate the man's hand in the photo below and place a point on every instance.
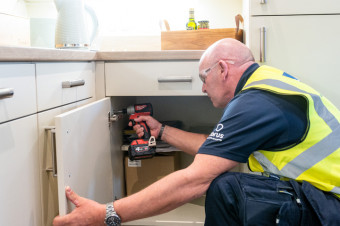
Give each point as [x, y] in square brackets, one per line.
[153, 124]
[87, 212]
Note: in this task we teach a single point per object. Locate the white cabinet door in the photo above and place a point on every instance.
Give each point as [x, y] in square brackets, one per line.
[63, 83]
[153, 78]
[288, 7]
[17, 90]
[306, 47]
[20, 202]
[84, 156]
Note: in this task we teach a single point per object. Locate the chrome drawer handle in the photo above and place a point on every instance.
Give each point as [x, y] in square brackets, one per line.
[175, 79]
[52, 169]
[6, 93]
[263, 1]
[74, 83]
[263, 44]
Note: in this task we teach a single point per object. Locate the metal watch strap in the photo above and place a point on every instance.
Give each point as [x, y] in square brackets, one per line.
[161, 132]
[112, 218]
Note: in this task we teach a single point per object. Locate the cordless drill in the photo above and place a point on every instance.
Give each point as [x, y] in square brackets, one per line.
[144, 147]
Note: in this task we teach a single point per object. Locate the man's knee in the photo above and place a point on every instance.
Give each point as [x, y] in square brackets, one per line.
[222, 185]
[221, 201]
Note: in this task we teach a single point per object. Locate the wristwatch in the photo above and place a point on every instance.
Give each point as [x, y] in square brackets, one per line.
[112, 218]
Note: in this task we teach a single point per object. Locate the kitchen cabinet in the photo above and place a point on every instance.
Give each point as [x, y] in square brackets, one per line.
[63, 83]
[31, 95]
[153, 78]
[84, 154]
[292, 7]
[20, 201]
[17, 90]
[20, 185]
[54, 100]
[300, 38]
[83, 133]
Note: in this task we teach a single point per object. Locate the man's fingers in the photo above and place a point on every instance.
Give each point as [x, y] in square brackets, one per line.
[141, 118]
[72, 196]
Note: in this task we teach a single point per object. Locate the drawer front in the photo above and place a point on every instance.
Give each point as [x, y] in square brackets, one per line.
[17, 90]
[153, 78]
[63, 83]
[288, 7]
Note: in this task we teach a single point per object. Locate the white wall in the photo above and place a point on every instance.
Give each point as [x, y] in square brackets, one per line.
[134, 24]
[14, 24]
[138, 22]
[13, 7]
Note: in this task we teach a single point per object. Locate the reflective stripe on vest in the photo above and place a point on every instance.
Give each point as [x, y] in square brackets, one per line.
[312, 155]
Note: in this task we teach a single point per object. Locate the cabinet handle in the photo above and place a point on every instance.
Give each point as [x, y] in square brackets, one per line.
[263, 1]
[6, 93]
[263, 42]
[74, 83]
[175, 79]
[52, 169]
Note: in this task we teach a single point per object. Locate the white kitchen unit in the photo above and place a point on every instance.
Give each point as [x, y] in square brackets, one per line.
[31, 95]
[153, 78]
[63, 83]
[20, 201]
[88, 146]
[292, 7]
[299, 37]
[53, 99]
[17, 90]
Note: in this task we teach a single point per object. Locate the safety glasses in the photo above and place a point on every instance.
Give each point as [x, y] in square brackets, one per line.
[204, 74]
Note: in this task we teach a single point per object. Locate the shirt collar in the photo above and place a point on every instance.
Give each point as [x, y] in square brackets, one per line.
[244, 78]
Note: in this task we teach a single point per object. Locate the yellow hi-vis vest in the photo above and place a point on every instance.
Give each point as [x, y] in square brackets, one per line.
[316, 158]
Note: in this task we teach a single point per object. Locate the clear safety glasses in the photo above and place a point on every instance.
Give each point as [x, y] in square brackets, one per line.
[204, 74]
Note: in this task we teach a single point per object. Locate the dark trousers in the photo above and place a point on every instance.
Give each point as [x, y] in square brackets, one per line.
[247, 199]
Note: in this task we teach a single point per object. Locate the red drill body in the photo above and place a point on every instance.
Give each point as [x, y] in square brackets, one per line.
[140, 148]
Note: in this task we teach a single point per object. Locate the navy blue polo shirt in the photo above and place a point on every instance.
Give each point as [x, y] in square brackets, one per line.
[256, 120]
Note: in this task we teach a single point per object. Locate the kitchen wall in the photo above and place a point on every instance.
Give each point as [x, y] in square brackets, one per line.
[135, 24]
[14, 24]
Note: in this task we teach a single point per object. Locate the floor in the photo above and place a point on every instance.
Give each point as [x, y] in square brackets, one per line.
[186, 215]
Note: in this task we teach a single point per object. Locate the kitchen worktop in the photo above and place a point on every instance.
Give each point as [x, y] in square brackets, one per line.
[28, 54]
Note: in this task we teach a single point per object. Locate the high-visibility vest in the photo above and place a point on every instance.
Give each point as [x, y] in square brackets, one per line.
[316, 158]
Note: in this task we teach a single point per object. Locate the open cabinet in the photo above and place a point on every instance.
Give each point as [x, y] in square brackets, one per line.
[90, 159]
[88, 144]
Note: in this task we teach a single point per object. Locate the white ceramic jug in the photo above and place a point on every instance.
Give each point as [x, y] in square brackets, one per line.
[71, 28]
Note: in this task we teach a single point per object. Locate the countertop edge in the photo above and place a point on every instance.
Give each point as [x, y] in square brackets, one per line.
[30, 54]
[150, 55]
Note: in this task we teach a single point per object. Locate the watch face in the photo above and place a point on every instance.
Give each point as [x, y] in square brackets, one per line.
[113, 221]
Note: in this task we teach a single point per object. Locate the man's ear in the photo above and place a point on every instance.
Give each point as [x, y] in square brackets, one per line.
[224, 69]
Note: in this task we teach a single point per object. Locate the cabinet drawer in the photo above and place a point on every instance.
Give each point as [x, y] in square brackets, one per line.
[63, 83]
[153, 78]
[288, 7]
[17, 90]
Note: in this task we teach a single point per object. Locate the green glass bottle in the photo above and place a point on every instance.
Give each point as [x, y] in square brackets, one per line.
[191, 25]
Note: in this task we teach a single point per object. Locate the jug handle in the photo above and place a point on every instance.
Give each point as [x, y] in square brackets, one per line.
[94, 22]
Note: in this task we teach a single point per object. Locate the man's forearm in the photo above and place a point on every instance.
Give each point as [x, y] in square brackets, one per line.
[185, 141]
[161, 196]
